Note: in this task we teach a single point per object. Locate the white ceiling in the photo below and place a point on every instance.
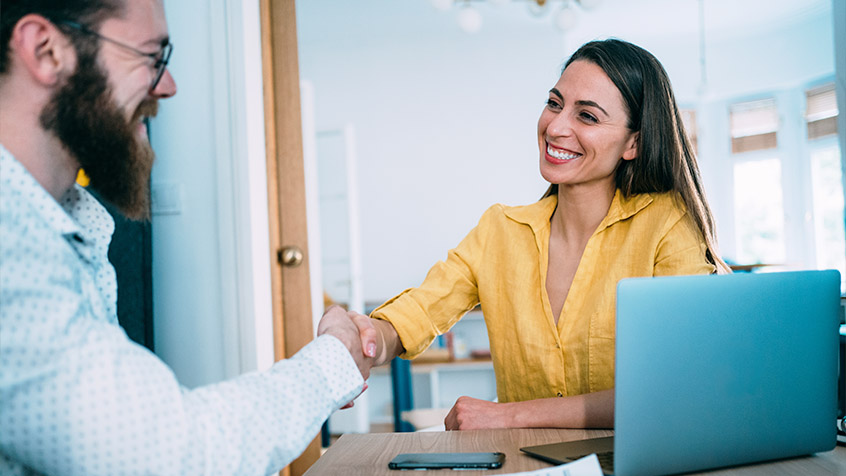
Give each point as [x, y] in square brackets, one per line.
[332, 20]
[743, 38]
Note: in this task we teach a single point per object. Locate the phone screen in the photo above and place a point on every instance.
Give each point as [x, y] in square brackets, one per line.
[447, 460]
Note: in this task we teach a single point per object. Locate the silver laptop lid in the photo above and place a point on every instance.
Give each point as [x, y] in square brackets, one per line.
[722, 370]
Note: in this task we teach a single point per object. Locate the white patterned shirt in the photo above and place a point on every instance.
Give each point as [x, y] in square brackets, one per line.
[78, 397]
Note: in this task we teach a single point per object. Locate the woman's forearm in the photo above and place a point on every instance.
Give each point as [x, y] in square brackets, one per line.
[591, 410]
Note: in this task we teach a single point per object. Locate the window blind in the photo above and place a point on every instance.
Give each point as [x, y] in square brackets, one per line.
[754, 125]
[821, 111]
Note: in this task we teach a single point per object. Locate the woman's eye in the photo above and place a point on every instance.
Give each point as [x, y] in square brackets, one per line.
[587, 117]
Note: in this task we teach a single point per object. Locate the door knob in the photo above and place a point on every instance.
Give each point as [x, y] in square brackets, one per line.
[290, 256]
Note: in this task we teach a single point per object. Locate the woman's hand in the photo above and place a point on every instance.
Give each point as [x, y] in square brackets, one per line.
[591, 410]
[379, 339]
[473, 414]
[379, 342]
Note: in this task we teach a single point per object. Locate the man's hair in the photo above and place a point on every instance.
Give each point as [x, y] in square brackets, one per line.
[90, 13]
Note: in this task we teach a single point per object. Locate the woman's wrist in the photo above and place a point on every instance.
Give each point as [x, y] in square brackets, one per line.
[381, 345]
[386, 342]
[511, 413]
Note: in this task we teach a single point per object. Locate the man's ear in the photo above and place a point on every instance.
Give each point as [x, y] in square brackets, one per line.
[631, 147]
[42, 50]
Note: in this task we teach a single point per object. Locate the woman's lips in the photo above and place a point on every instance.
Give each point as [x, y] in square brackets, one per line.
[560, 156]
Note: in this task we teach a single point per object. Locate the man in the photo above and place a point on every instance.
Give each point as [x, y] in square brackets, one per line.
[77, 78]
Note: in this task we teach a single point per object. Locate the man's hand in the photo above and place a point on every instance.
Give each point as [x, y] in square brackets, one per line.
[473, 414]
[355, 331]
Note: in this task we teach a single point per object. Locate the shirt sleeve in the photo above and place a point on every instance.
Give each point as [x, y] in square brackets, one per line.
[681, 250]
[77, 397]
[449, 290]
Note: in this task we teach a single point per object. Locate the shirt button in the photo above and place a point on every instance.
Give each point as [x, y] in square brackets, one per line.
[560, 394]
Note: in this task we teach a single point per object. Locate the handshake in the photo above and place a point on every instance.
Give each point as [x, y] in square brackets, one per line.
[375, 342]
[357, 332]
[371, 342]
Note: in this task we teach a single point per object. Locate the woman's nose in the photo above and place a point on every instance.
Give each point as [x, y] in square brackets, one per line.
[560, 125]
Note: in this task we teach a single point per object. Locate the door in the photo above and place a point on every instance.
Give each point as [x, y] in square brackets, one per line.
[292, 315]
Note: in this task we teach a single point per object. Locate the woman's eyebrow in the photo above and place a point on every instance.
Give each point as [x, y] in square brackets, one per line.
[583, 102]
[557, 93]
[592, 104]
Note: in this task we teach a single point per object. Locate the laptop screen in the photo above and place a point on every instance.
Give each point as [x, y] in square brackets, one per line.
[724, 369]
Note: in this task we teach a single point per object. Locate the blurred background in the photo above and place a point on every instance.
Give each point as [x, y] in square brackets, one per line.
[418, 115]
[445, 116]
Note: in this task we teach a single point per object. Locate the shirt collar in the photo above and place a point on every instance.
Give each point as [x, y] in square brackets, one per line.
[78, 216]
[537, 215]
[624, 207]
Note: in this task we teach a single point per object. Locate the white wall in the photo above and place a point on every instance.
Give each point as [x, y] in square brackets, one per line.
[446, 121]
[211, 290]
[185, 161]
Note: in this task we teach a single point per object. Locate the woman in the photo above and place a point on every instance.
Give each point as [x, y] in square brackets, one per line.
[625, 200]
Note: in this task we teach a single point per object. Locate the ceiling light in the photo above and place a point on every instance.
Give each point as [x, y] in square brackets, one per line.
[565, 19]
[538, 8]
[469, 19]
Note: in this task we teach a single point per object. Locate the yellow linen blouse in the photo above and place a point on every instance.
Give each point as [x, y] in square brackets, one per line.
[502, 265]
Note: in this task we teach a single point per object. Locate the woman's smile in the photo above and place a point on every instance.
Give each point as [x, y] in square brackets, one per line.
[556, 155]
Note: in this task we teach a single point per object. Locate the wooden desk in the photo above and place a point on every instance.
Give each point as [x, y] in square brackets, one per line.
[369, 454]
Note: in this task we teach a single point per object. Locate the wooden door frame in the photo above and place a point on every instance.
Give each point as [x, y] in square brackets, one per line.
[290, 287]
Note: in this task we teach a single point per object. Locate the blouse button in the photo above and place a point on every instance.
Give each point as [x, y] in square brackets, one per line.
[560, 394]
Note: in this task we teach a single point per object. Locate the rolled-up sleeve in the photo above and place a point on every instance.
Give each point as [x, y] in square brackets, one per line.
[450, 290]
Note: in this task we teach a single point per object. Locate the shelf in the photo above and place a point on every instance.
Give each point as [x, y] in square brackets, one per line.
[449, 366]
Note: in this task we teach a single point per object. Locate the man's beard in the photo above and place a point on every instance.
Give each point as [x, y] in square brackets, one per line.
[94, 130]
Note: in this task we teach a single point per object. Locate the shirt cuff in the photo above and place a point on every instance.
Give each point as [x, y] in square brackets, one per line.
[331, 357]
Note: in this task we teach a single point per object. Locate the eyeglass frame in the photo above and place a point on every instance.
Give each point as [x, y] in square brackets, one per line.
[160, 58]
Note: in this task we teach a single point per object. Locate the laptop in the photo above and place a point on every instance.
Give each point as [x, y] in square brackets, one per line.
[719, 370]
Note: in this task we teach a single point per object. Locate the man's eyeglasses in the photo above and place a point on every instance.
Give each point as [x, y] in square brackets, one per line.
[159, 58]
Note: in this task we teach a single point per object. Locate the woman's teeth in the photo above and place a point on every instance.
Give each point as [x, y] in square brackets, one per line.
[560, 155]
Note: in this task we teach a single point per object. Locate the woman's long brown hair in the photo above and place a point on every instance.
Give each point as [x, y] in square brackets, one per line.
[665, 160]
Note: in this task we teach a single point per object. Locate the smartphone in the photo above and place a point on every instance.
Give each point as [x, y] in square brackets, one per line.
[447, 460]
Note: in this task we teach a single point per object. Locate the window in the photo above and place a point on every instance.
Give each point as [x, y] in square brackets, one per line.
[753, 125]
[787, 204]
[821, 111]
[758, 195]
[828, 208]
[759, 212]
[826, 179]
